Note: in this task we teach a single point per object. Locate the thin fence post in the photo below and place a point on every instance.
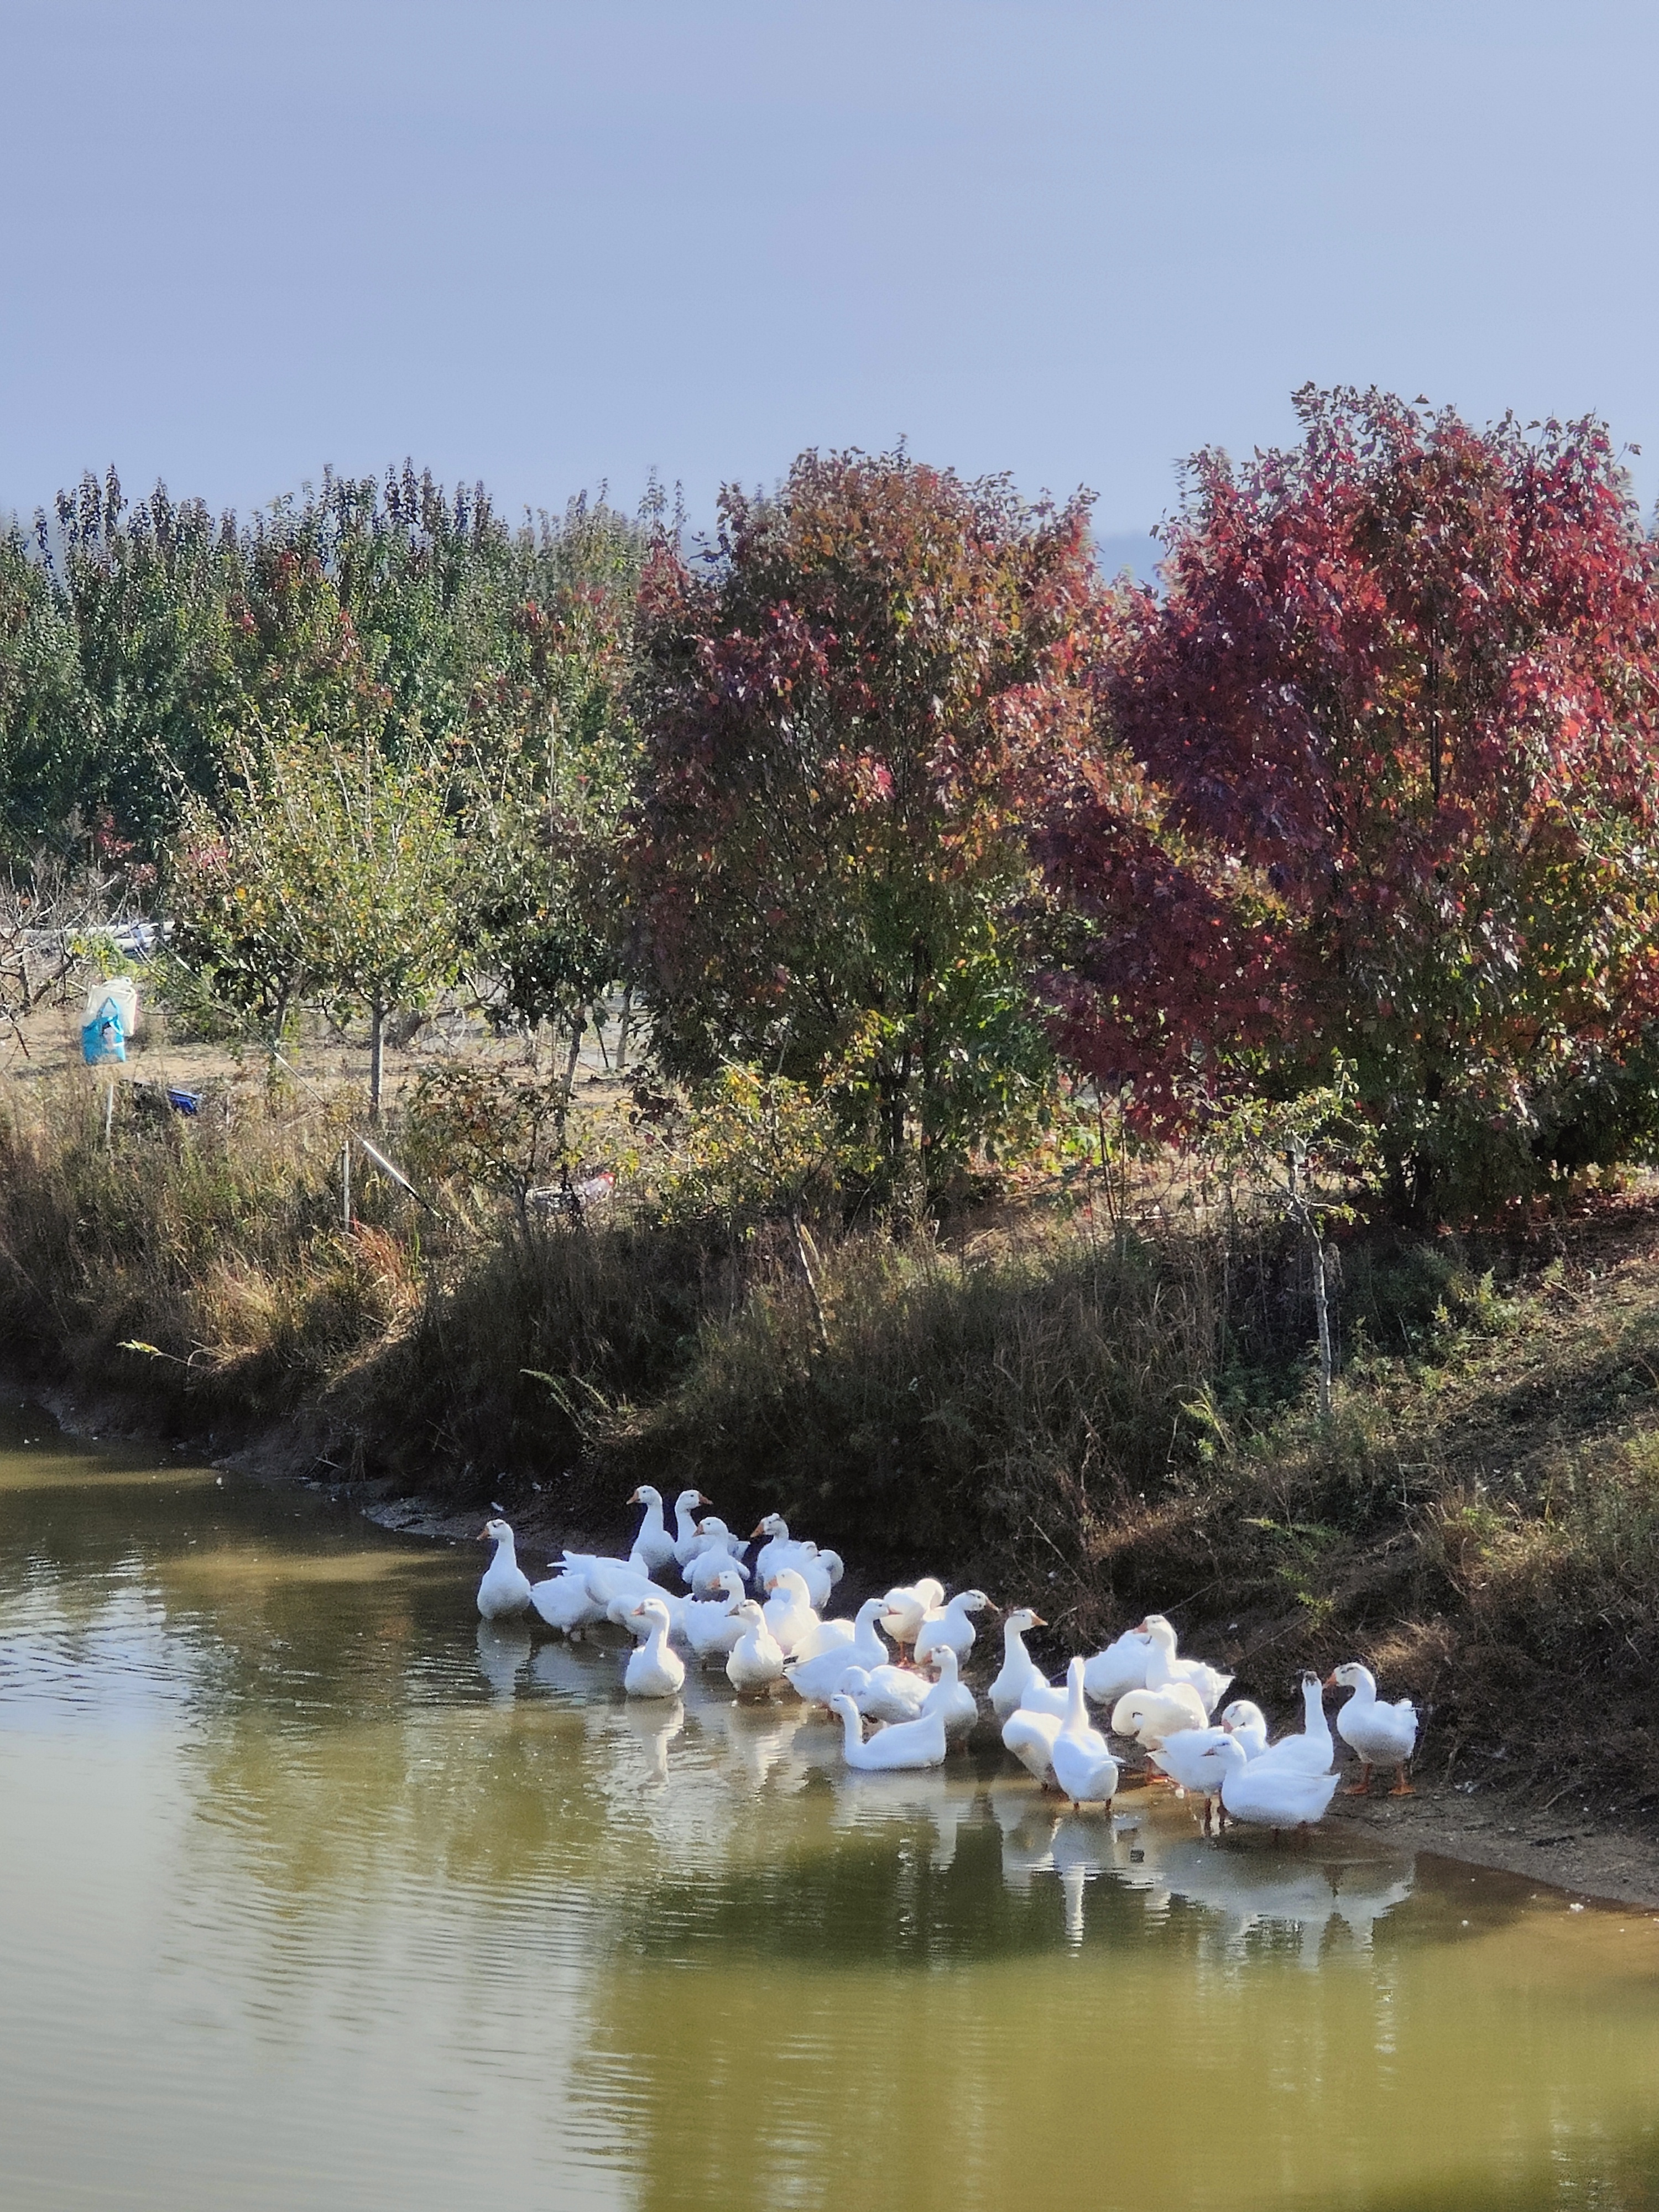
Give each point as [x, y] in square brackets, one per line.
[345, 1186]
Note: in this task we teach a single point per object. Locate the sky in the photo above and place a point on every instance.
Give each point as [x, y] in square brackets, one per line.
[549, 245]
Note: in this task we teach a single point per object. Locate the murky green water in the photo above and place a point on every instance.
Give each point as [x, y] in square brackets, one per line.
[313, 1894]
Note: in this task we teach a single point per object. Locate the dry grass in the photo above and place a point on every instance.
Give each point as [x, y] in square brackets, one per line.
[217, 1242]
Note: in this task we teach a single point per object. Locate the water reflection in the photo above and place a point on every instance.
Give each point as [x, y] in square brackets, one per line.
[288, 1832]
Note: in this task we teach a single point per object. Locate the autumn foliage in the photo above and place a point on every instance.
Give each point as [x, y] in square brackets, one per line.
[1393, 740]
[841, 709]
[885, 795]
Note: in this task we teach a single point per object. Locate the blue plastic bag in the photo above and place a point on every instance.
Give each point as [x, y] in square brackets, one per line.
[102, 1038]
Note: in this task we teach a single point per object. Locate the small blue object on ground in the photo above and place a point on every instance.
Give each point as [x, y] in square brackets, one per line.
[184, 1101]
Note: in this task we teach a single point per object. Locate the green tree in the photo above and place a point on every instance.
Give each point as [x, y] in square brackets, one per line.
[43, 709]
[329, 875]
[148, 592]
[546, 796]
[139, 642]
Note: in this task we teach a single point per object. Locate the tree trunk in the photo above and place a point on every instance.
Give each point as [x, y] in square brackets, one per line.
[376, 1055]
[569, 1083]
[1323, 1315]
[807, 1270]
[1302, 1211]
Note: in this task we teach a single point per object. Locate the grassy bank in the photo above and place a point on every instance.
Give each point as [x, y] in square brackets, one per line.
[1101, 1413]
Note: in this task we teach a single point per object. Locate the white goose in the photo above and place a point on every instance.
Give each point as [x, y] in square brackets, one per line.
[886, 1694]
[505, 1588]
[652, 1670]
[951, 1699]
[654, 1547]
[1311, 1751]
[780, 1549]
[789, 1611]
[621, 1609]
[564, 1601]
[1018, 1668]
[1163, 1668]
[949, 1626]
[754, 1662]
[1191, 1760]
[908, 1606]
[1152, 1716]
[1247, 1721]
[911, 1743]
[1084, 1767]
[688, 1539]
[1384, 1735]
[703, 1571]
[820, 1571]
[1121, 1666]
[821, 1659]
[1268, 1795]
[1030, 1736]
[608, 1579]
[711, 1626]
[858, 1638]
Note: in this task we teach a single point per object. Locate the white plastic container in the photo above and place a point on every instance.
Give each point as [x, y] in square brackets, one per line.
[124, 992]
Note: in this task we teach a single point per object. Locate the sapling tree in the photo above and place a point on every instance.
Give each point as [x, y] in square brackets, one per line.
[1308, 1159]
[328, 875]
[504, 1131]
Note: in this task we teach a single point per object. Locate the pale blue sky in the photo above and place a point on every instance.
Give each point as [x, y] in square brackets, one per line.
[544, 244]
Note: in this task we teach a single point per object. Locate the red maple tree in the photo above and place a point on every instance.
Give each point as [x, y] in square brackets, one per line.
[1394, 718]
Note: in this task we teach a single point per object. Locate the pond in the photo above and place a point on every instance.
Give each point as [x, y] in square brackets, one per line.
[319, 1893]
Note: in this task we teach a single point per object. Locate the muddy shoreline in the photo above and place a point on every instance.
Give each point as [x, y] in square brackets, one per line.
[1564, 1845]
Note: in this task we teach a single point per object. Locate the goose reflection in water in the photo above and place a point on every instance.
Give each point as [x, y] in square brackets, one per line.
[651, 1724]
[910, 1798]
[503, 1656]
[759, 1737]
[578, 1672]
[1243, 1891]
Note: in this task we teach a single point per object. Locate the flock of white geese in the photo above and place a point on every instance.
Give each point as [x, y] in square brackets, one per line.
[919, 1703]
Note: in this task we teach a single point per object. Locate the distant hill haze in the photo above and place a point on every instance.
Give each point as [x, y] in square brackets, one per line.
[1138, 550]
